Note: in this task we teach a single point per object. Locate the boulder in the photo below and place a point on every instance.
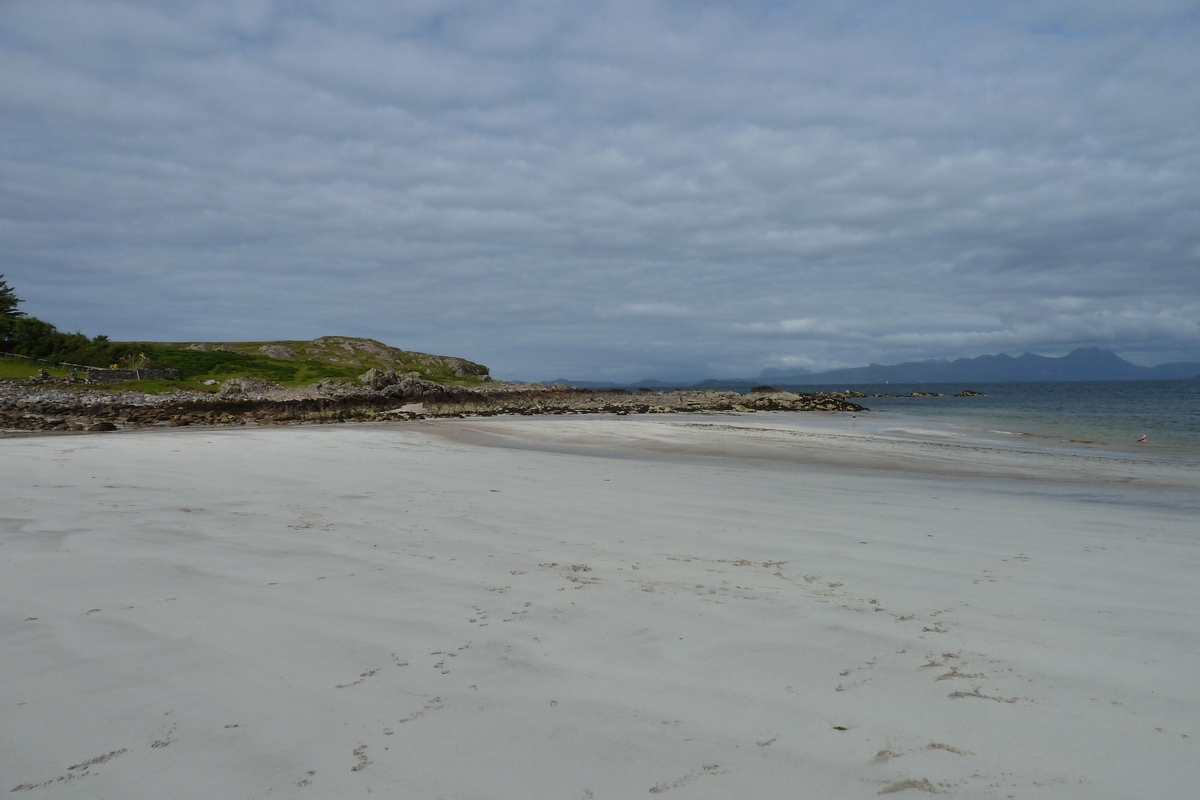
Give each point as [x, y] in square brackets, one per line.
[234, 387]
[412, 386]
[381, 378]
[242, 387]
[277, 351]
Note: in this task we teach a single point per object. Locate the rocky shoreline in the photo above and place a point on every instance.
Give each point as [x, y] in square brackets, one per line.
[382, 395]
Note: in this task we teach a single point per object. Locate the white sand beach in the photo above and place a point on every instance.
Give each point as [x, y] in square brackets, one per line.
[709, 606]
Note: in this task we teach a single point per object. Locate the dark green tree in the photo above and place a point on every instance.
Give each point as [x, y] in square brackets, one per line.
[9, 301]
[29, 336]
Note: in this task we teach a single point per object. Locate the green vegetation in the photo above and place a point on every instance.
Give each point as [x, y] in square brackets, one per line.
[9, 301]
[30, 336]
[291, 363]
[14, 369]
[220, 365]
[299, 363]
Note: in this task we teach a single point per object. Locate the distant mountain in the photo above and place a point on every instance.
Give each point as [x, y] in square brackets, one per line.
[1084, 364]
[776, 372]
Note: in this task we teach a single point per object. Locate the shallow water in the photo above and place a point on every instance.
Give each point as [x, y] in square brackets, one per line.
[1103, 413]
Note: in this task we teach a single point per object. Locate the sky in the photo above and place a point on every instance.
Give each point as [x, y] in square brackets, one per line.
[610, 190]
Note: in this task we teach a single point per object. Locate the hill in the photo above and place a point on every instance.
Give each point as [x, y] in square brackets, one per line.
[291, 362]
[1084, 364]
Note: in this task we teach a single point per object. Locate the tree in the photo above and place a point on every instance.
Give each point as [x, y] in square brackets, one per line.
[29, 336]
[8, 301]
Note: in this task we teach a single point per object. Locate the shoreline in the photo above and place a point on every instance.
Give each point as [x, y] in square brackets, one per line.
[796, 441]
[833, 440]
[38, 407]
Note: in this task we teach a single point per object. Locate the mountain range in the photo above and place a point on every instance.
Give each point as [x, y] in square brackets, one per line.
[1084, 364]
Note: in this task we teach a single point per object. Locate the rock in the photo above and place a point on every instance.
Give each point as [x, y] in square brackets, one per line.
[468, 369]
[926, 394]
[381, 378]
[234, 387]
[277, 351]
[342, 390]
[103, 426]
[244, 387]
[969, 393]
[413, 387]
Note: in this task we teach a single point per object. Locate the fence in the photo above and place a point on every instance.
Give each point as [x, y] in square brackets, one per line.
[63, 364]
[97, 375]
[118, 375]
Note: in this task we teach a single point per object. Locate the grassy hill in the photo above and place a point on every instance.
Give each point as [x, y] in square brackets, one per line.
[291, 363]
[298, 363]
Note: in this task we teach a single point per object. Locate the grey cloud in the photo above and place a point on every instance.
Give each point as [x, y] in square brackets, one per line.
[610, 190]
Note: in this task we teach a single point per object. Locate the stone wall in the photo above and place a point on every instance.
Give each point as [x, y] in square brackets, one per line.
[117, 375]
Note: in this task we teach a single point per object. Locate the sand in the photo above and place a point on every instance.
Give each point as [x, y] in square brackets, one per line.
[756, 606]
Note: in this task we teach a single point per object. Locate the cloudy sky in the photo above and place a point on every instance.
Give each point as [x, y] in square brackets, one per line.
[610, 190]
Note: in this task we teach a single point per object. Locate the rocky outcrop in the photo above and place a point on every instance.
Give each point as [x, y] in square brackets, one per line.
[379, 379]
[205, 347]
[969, 393]
[243, 401]
[350, 350]
[244, 387]
[277, 351]
[409, 385]
[333, 388]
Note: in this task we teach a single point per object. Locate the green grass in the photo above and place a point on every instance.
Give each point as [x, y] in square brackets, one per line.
[312, 362]
[201, 365]
[11, 369]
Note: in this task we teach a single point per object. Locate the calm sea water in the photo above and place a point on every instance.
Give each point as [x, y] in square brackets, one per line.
[1115, 413]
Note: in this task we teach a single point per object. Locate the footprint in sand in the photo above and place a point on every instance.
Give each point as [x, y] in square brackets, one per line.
[921, 785]
[164, 738]
[80, 770]
[884, 756]
[707, 769]
[975, 692]
[433, 705]
[361, 678]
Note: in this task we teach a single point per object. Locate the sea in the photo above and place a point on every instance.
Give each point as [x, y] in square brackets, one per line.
[1107, 414]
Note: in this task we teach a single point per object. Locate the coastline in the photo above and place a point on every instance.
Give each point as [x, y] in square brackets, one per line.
[833, 441]
[34, 406]
[763, 604]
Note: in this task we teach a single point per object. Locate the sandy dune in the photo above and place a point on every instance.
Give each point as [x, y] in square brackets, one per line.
[594, 608]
